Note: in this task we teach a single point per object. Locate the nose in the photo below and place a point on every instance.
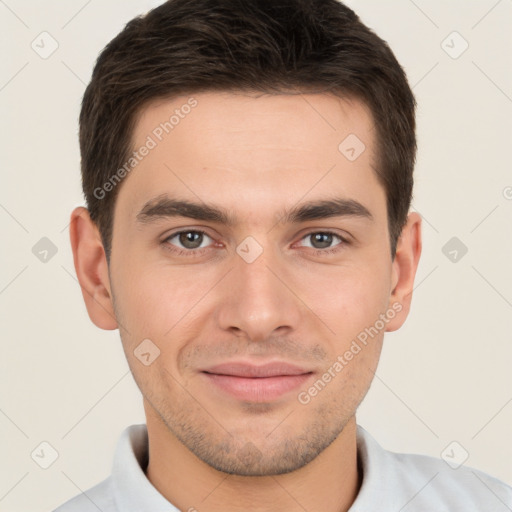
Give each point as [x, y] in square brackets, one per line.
[258, 299]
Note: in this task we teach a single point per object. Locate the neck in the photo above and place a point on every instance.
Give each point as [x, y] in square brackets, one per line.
[329, 483]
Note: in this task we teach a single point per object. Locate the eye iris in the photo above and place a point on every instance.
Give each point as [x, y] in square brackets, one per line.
[191, 239]
[325, 240]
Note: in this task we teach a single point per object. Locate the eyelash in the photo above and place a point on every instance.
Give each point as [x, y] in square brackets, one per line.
[199, 252]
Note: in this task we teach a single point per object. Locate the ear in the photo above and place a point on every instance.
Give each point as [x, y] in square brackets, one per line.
[92, 269]
[404, 269]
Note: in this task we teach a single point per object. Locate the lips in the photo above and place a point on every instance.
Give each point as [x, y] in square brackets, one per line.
[273, 369]
[256, 383]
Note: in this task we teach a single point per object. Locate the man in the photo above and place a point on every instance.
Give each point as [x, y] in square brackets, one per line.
[247, 167]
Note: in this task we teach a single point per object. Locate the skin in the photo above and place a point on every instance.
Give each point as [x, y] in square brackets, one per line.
[254, 155]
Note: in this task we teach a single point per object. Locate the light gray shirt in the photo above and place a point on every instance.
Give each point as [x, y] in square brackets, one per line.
[392, 482]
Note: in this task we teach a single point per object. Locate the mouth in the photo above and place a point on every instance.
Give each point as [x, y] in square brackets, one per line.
[256, 383]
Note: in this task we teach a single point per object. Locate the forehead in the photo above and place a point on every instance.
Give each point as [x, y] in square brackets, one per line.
[252, 148]
[280, 120]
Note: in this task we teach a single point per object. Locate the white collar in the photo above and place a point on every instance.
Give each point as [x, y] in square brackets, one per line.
[391, 481]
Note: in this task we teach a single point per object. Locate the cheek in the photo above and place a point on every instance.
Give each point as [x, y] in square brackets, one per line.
[156, 305]
[153, 299]
[347, 298]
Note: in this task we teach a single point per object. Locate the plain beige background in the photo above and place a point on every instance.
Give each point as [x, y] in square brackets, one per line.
[444, 377]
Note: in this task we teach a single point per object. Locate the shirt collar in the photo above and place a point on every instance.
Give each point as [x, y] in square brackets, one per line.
[133, 491]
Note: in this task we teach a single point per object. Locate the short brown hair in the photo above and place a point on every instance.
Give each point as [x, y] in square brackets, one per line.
[184, 47]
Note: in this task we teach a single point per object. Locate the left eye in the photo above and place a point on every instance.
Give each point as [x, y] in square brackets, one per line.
[190, 239]
[322, 239]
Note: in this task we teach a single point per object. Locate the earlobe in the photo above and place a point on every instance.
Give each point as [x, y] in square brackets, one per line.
[92, 269]
[404, 269]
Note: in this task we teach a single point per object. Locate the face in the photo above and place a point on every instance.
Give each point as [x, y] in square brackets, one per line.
[251, 304]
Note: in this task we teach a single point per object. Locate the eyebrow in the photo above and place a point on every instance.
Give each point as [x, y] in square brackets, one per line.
[165, 207]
